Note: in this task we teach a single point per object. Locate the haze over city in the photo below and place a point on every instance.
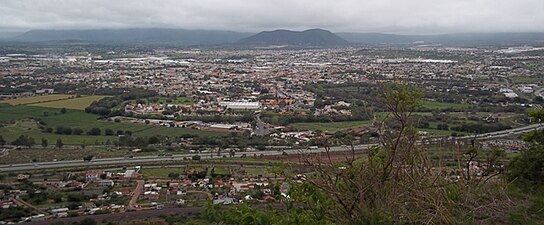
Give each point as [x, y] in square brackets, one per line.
[388, 16]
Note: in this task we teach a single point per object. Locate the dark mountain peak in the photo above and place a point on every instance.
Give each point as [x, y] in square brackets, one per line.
[307, 38]
[317, 30]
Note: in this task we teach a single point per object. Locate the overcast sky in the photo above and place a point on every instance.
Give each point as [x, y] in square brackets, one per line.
[392, 16]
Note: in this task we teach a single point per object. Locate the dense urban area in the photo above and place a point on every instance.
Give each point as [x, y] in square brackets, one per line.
[128, 134]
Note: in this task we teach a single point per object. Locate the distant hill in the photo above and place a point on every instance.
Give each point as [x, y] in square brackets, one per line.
[446, 39]
[8, 35]
[151, 35]
[307, 38]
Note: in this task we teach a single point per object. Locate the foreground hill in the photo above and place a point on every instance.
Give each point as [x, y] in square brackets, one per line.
[152, 35]
[307, 38]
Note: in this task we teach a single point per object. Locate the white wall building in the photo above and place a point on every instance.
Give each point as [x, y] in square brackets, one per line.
[241, 105]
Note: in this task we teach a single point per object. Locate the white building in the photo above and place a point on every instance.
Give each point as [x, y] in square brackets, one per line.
[241, 105]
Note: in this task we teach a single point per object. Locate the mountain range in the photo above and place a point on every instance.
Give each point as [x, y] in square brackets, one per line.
[143, 35]
[307, 38]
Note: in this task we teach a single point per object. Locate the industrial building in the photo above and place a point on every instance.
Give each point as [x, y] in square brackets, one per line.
[241, 105]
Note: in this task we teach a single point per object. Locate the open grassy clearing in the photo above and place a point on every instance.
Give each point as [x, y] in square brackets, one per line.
[30, 127]
[161, 172]
[77, 119]
[221, 171]
[257, 171]
[36, 99]
[330, 127]
[73, 103]
[443, 105]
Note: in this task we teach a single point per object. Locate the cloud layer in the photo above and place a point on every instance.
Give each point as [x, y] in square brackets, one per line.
[396, 16]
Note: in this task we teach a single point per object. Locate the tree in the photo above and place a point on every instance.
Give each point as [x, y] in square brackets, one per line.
[63, 130]
[88, 158]
[44, 143]
[63, 110]
[45, 113]
[77, 131]
[395, 182]
[196, 157]
[173, 175]
[94, 131]
[24, 140]
[108, 132]
[59, 130]
[67, 131]
[153, 140]
[59, 143]
[527, 169]
[2, 141]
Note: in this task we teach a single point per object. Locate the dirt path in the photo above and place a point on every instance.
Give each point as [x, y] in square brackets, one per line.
[136, 194]
[26, 204]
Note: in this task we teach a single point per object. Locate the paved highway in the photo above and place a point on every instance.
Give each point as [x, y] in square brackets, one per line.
[148, 159]
[540, 92]
[506, 133]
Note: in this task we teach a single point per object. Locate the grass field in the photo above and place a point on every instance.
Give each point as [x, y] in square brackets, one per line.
[161, 172]
[36, 99]
[76, 119]
[73, 103]
[221, 170]
[330, 127]
[30, 128]
[443, 105]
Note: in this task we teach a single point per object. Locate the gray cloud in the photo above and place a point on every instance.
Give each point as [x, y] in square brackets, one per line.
[398, 16]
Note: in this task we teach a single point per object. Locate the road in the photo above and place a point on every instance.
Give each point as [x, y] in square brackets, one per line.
[149, 159]
[136, 194]
[260, 126]
[506, 133]
[540, 92]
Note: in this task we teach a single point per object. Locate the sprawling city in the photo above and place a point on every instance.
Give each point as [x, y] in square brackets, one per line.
[169, 126]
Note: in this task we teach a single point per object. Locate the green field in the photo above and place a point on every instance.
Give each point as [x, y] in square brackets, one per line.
[73, 103]
[330, 127]
[76, 119]
[221, 170]
[36, 99]
[10, 132]
[160, 172]
[443, 105]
